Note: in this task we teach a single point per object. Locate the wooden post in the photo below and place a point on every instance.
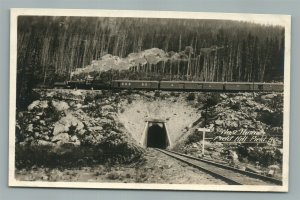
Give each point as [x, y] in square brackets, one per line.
[204, 130]
[203, 140]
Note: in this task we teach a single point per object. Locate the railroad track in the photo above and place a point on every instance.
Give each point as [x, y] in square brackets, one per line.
[230, 175]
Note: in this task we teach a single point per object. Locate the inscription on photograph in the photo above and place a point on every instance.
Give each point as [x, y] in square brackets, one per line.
[149, 100]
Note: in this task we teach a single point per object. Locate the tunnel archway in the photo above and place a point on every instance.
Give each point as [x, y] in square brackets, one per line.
[157, 136]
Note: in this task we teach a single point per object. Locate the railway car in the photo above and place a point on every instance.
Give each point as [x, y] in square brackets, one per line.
[59, 85]
[268, 87]
[193, 85]
[273, 87]
[135, 84]
[172, 85]
[238, 86]
[214, 86]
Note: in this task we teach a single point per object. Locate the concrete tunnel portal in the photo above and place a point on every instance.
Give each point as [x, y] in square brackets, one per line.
[156, 135]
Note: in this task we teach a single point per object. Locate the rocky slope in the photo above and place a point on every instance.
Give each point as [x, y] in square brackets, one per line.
[66, 126]
[257, 113]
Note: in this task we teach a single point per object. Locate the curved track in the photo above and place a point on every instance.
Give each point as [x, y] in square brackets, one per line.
[228, 174]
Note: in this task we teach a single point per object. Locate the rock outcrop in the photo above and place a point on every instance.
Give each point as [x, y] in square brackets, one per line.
[67, 129]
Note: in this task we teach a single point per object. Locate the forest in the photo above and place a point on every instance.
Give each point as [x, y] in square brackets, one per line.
[53, 49]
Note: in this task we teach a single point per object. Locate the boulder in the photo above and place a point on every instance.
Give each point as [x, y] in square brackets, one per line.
[108, 108]
[90, 139]
[231, 124]
[99, 138]
[60, 105]
[105, 121]
[61, 138]
[250, 103]
[43, 104]
[36, 134]
[234, 157]
[223, 96]
[29, 128]
[42, 122]
[37, 118]
[79, 126]
[63, 125]
[59, 128]
[39, 114]
[268, 97]
[252, 169]
[81, 132]
[96, 128]
[76, 92]
[33, 105]
[219, 122]
[55, 175]
[271, 173]
[74, 139]
[50, 94]
[43, 143]
[78, 106]
[38, 104]
[274, 167]
[28, 139]
[45, 137]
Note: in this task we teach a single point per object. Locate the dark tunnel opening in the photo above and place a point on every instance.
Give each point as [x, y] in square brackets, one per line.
[157, 136]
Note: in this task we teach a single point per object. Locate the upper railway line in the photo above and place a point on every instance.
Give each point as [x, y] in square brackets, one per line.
[173, 85]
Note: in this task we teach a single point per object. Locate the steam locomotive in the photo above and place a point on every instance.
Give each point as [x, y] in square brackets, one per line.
[171, 85]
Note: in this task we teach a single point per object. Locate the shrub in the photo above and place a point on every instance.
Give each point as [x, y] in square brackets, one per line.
[201, 98]
[262, 155]
[69, 155]
[274, 119]
[194, 137]
[129, 100]
[213, 100]
[174, 94]
[113, 175]
[99, 96]
[53, 112]
[88, 99]
[157, 93]
[236, 106]
[191, 97]
[128, 92]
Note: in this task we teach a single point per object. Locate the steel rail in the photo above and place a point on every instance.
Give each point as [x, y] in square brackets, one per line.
[228, 174]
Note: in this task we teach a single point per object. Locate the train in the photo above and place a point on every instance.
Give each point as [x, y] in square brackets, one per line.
[171, 85]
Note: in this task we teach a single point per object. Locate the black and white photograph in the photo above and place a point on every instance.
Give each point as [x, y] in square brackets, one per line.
[152, 100]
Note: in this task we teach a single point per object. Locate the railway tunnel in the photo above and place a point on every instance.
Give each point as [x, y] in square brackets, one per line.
[156, 135]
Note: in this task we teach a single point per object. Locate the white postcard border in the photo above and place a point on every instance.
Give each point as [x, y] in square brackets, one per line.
[270, 19]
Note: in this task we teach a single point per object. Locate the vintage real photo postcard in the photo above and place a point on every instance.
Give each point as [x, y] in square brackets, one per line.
[149, 100]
